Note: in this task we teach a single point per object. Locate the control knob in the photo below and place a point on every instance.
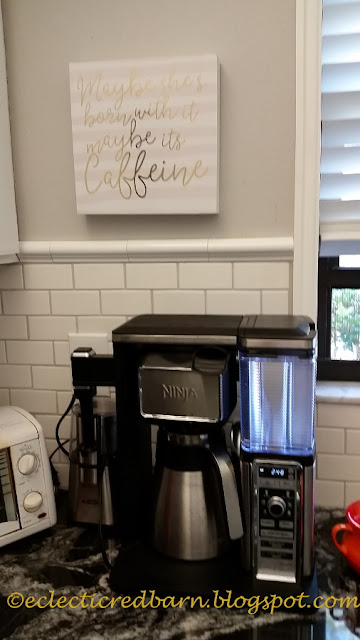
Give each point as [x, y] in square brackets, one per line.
[32, 501]
[276, 506]
[27, 464]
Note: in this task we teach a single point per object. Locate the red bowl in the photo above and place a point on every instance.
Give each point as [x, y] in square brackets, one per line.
[353, 514]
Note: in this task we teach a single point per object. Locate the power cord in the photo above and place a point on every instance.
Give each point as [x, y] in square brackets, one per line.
[54, 473]
[60, 446]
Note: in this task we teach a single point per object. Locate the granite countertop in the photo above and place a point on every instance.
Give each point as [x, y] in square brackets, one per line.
[68, 560]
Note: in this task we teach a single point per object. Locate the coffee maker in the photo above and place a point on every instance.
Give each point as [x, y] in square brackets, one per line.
[192, 523]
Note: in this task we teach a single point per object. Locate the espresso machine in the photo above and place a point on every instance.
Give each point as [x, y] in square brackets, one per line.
[195, 520]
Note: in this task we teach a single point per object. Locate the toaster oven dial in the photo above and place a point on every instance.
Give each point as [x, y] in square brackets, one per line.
[276, 506]
[32, 501]
[27, 464]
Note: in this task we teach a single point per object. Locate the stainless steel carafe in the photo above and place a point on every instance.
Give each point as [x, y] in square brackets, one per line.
[196, 509]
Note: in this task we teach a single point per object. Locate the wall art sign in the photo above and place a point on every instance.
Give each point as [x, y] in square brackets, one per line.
[146, 135]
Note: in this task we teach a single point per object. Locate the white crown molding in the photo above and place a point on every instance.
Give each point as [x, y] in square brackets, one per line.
[202, 250]
[167, 250]
[251, 249]
[307, 156]
[34, 251]
[89, 251]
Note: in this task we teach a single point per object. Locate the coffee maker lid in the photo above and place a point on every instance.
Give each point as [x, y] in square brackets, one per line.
[179, 329]
[277, 332]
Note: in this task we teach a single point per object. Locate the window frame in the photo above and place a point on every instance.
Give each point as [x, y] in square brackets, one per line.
[331, 275]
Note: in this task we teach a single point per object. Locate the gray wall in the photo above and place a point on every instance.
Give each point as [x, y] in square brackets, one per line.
[255, 43]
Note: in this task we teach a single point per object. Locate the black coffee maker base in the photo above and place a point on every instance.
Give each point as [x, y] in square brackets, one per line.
[219, 582]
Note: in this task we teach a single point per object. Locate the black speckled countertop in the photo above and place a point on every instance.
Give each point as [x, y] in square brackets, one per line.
[67, 560]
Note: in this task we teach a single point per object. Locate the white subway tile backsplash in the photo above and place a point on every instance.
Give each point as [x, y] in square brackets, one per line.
[26, 303]
[329, 494]
[275, 302]
[4, 397]
[179, 302]
[69, 303]
[15, 375]
[338, 415]
[352, 492]
[52, 378]
[353, 441]
[11, 277]
[338, 467]
[2, 352]
[151, 276]
[125, 302]
[205, 275]
[13, 327]
[53, 276]
[50, 327]
[330, 440]
[34, 401]
[233, 302]
[29, 352]
[49, 422]
[100, 324]
[261, 275]
[99, 276]
[51, 445]
[62, 353]
[63, 401]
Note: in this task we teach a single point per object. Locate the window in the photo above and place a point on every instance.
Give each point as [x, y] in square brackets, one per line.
[339, 318]
[339, 274]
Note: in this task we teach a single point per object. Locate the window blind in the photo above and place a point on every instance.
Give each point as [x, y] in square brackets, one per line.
[340, 140]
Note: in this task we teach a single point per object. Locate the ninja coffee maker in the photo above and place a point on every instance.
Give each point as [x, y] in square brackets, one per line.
[205, 518]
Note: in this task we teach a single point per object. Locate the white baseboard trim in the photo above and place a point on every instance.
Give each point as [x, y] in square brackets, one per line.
[202, 250]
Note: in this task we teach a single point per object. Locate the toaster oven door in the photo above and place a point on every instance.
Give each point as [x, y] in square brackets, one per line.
[9, 520]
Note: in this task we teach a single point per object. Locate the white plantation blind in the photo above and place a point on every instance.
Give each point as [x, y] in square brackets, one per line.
[340, 156]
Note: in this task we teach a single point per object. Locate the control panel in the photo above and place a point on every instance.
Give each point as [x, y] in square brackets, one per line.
[29, 482]
[277, 511]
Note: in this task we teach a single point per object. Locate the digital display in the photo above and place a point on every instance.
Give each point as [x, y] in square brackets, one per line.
[273, 472]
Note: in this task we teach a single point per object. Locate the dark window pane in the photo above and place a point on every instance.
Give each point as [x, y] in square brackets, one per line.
[345, 324]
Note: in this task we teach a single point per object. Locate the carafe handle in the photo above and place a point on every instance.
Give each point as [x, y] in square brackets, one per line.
[231, 496]
[341, 526]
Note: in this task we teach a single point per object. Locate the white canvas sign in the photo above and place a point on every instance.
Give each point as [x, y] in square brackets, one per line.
[146, 135]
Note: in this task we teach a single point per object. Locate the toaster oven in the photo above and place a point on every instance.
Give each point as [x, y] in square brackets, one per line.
[27, 502]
